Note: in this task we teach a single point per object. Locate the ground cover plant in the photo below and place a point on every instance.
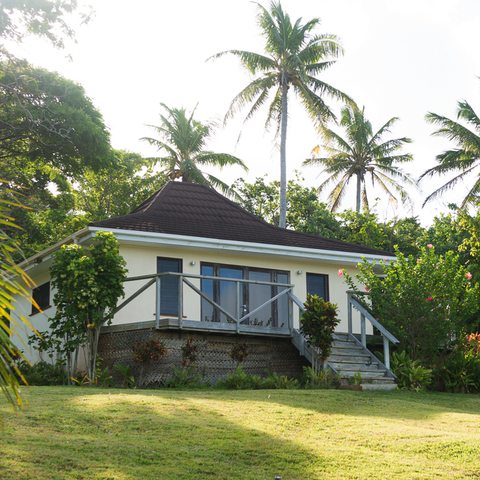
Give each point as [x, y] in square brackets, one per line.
[80, 433]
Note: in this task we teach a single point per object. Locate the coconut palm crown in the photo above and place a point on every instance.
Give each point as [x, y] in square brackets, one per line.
[293, 57]
[184, 139]
[358, 154]
[465, 159]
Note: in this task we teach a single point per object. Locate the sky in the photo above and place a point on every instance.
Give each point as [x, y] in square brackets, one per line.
[401, 59]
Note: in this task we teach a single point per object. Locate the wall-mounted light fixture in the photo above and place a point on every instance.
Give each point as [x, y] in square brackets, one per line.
[299, 272]
[193, 262]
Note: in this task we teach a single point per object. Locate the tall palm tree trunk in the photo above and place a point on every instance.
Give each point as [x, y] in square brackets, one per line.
[283, 158]
[359, 190]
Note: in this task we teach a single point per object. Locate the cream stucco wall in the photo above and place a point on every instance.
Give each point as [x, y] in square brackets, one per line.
[141, 251]
[142, 261]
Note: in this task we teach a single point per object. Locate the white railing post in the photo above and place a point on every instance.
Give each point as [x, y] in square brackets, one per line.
[350, 322]
[180, 301]
[290, 314]
[386, 352]
[157, 302]
[363, 330]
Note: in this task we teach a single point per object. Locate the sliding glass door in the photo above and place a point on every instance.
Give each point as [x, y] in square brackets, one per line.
[251, 296]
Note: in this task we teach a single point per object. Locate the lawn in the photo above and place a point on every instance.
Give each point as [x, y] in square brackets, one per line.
[76, 433]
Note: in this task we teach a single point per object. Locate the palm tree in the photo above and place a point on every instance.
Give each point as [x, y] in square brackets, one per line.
[184, 140]
[14, 282]
[294, 56]
[465, 158]
[360, 153]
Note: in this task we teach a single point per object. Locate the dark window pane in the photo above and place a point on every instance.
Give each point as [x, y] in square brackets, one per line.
[317, 285]
[41, 295]
[168, 285]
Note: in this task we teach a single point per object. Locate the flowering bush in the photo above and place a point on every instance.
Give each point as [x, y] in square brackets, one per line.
[425, 302]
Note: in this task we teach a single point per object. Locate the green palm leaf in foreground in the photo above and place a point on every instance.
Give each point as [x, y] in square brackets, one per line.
[465, 159]
[183, 139]
[293, 59]
[361, 153]
[12, 278]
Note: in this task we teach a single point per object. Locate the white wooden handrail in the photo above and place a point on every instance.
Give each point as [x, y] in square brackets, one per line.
[183, 278]
[353, 301]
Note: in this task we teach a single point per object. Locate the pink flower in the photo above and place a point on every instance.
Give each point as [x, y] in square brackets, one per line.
[430, 245]
[384, 259]
[429, 298]
[340, 272]
[468, 275]
[367, 289]
[418, 260]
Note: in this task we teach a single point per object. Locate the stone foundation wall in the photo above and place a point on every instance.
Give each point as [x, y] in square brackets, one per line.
[213, 361]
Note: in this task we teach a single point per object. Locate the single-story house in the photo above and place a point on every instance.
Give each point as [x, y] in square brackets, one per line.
[191, 230]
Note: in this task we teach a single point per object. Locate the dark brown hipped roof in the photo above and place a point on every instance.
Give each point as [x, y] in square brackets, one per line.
[181, 208]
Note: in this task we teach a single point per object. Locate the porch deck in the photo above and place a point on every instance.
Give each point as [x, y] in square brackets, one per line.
[172, 323]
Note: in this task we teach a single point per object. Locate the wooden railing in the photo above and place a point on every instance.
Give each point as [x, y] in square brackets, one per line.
[353, 301]
[237, 317]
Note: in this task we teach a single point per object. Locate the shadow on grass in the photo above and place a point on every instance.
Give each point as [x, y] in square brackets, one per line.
[84, 433]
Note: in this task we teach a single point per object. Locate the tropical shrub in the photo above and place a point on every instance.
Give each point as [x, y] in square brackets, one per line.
[88, 289]
[318, 323]
[145, 352]
[238, 354]
[424, 302]
[183, 378]
[189, 352]
[43, 373]
[460, 371]
[411, 375]
[318, 380]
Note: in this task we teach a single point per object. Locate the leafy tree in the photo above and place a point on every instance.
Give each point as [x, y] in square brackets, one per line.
[359, 153]
[294, 56]
[49, 130]
[304, 211]
[363, 229]
[44, 18]
[404, 233]
[184, 139]
[463, 160]
[88, 289]
[425, 302]
[117, 189]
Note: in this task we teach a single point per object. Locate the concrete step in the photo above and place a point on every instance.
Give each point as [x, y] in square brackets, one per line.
[353, 350]
[377, 386]
[345, 372]
[345, 357]
[353, 366]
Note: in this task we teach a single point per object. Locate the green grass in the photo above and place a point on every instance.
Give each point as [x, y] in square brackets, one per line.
[76, 433]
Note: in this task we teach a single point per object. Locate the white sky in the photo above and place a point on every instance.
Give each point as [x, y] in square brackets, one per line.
[402, 58]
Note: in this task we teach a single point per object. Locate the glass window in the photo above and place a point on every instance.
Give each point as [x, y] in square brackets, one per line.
[317, 284]
[169, 285]
[251, 296]
[41, 295]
